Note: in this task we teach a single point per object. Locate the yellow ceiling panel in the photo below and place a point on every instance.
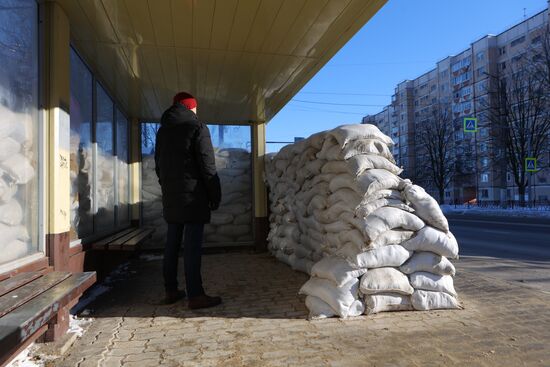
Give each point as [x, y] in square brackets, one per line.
[224, 14]
[203, 15]
[182, 22]
[101, 23]
[243, 19]
[164, 32]
[140, 20]
[242, 59]
[286, 17]
[263, 22]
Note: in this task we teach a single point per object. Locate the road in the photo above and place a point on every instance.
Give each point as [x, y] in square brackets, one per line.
[506, 248]
[502, 239]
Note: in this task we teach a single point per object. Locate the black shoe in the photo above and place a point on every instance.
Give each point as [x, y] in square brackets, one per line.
[173, 296]
[203, 301]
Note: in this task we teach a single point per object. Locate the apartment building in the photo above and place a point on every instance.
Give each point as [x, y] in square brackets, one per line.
[461, 84]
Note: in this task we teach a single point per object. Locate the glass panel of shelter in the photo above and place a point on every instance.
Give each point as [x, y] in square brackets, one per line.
[19, 132]
[100, 173]
[232, 222]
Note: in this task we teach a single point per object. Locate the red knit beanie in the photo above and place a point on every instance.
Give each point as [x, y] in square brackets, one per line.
[185, 99]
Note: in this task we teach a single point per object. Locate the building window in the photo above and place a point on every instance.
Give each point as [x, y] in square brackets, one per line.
[483, 147]
[537, 39]
[480, 56]
[483, 132]
[484, 193]
[82, 167]
[484, 177]
[447, 194]
[484, 162]
[502, 50]
[508, 176]
[537, 57]
[480, 72]
[502, 65]
[517, 41]
[19, 131]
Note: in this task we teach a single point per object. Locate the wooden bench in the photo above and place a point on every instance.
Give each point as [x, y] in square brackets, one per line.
[30, 304]
[126, 240]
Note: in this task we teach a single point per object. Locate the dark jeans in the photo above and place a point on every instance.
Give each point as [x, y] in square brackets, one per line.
[192, 253]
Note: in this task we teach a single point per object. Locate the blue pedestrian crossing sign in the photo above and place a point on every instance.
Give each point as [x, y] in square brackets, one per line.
[530, 164]
[470, 124]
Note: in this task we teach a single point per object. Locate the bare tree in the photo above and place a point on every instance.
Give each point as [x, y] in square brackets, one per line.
[518, 108]
[436, 137]
[149, 134]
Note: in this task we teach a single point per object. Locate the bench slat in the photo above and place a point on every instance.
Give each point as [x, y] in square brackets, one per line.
[22, 323]
[17, 281]
[134, 241]
[21, 295]
[102, 244]
[117, 244]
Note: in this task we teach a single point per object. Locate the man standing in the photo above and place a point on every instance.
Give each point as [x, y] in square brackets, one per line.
[185, 166]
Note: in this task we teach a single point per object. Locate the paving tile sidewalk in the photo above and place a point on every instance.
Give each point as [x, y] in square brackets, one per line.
[262, 323]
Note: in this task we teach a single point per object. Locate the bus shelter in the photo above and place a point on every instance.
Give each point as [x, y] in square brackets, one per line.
[83, 84]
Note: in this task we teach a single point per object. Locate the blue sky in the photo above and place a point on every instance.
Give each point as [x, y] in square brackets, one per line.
[402, 41]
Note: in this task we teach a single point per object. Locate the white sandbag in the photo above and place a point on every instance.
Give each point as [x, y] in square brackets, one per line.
[338, 227]
[365, 209]
[391, 255]
[18, 167]
[11, 213]
[433, 282]
[345, 195]
[385, 280]
[377, 179]
[337, 270]
[386, 218]
[340, 299]
[384, 302]
[355, 237]
[332, 213]
[12, 250]
[8, 188]
[358, 164]
[335, 167]
[218, 218]
[302, 264]
[346, 133]
[430, 262]
[367, 146]
[425, 207]
[389, 194]
[11, 233]
[318, 309]
[344, 181]
[391, 237]
[8, 147]
[426, 300]
[433, 240]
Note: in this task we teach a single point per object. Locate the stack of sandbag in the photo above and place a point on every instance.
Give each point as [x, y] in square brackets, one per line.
[371, 240]
[232, 222]
[17, 171]
[151, 196]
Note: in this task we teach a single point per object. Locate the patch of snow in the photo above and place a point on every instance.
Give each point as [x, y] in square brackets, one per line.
[78, 325]
[496, 211]
[26, 358]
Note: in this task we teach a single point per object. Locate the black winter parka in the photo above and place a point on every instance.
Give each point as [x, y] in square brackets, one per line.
[185, 166]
